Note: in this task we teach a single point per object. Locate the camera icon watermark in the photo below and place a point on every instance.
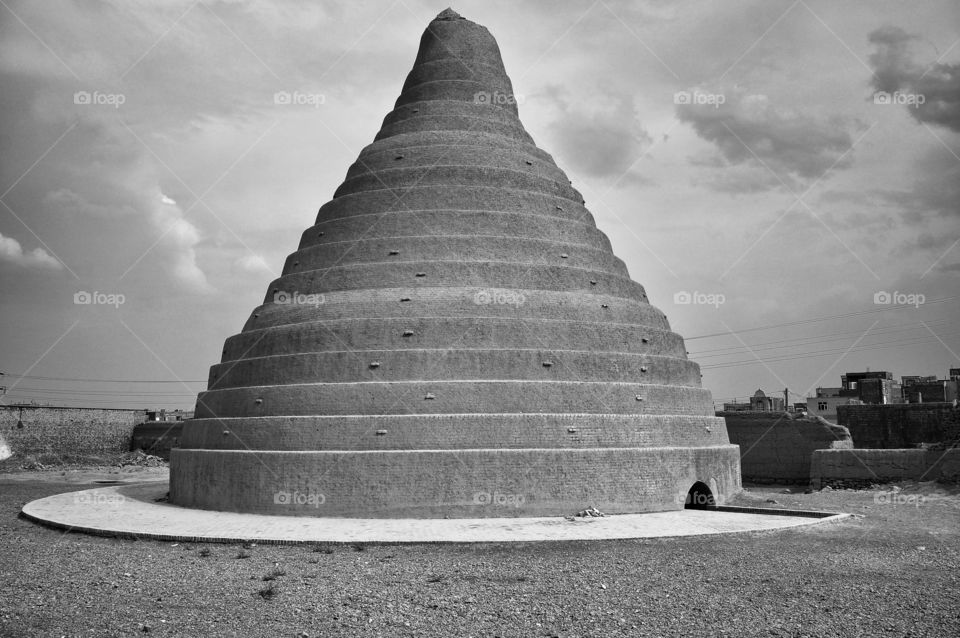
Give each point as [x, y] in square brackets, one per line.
[902, 99]
[296, 298]
[697, 298]
[98, 499]
[313, 499]
[299, 98]
[97, 298]
[96, 98]
[499, 298]
[696, 500]
[898, 498]
[897, 298]
[498, 499]
[699, 98]
[497, 98]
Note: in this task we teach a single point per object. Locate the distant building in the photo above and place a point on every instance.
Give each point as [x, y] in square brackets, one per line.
[825, 403]
[917, 389]
[759, 402]
[879, 388]
[872, 387]
[172, 415]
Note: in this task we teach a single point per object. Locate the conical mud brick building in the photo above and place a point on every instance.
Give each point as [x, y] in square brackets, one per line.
[453, 338]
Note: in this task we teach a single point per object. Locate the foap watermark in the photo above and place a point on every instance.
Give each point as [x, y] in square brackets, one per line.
[898, 498]
[696, 500]
[299, 98]
[697, 298]
[699, 98]
[902, 99]
[96, 98]
[97, 298]
[499, 298]
[296, 298]
[897, 298]
[497, 98]
[98, 498]
[296, 497]
[498, 499]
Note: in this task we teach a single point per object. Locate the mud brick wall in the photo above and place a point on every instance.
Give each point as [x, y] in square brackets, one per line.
[905, 425]
[859, 468]
[67, 432]
[157, 437]
[776, 447]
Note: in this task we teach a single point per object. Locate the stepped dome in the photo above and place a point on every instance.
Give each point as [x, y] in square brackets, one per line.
[453, 337]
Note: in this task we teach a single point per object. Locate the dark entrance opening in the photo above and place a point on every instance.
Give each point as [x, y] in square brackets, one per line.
[699, 497]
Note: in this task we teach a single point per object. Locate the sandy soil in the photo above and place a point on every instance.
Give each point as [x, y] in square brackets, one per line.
[893, 570]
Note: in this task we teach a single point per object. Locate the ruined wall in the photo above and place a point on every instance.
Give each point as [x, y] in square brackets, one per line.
[777, 446]
[900, 425]
[860, 468]
[66, 433]
[157, 437]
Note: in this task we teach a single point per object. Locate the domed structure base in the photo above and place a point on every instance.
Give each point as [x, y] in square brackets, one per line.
[477, 483]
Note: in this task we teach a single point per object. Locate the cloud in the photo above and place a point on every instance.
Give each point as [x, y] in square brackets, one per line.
[252, 264]
[749, 130]
[896, 71]
[12, 253]
[935, 190]
[178, 241]
[600, 134]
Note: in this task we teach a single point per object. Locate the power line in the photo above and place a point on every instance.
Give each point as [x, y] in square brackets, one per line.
[807, 355]
[25, 376]
[882, 345]
[800, 341]
[800, 322]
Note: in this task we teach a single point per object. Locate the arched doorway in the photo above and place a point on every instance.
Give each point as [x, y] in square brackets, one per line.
[699, 497]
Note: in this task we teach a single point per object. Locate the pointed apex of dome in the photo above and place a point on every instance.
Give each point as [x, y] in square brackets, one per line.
[448, 14]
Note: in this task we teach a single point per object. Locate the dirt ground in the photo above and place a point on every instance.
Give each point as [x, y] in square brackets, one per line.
[891, 570]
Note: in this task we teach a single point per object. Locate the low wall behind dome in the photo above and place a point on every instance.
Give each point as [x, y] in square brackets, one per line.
[776, 447]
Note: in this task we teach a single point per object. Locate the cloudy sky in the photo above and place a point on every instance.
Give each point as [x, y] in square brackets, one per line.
[778, 164]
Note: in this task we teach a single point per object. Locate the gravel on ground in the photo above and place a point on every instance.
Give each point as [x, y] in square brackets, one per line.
[891, 570]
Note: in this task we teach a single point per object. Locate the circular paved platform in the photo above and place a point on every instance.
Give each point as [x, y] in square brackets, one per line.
[134, 510]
